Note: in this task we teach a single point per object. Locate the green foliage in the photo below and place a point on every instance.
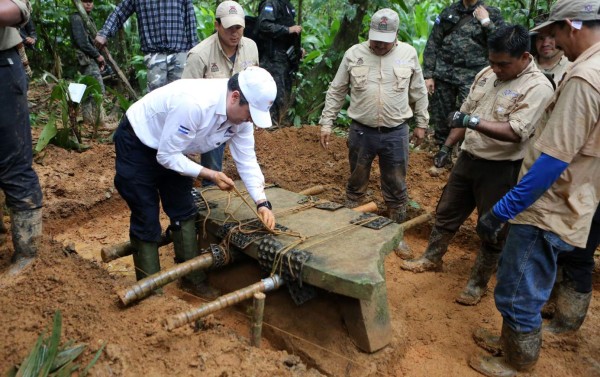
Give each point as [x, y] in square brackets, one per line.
[48, 359]
[66, 133]
[205, 19]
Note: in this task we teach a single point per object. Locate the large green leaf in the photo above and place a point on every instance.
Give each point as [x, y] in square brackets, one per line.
[47, 134]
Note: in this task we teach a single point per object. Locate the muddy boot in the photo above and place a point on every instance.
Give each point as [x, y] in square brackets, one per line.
[571, 309]
[488, 341]
[521, 352]
[399, 216]
[348, 203]
[431, 260]
[185, 242]
[26, 228]
[145, 258]
[485, 265]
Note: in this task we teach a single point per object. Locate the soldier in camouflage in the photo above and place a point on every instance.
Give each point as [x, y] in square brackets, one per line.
[279, 48]
[91, 62]
[456, 50]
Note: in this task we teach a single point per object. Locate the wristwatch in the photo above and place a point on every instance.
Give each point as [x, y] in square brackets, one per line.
[266, 203]
[473, 122]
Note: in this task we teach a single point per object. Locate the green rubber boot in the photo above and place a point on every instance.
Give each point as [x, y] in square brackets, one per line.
[145, 258]
[185, 242]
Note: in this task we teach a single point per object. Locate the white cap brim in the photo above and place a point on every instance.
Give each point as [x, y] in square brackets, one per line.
[262, 119]
[381, 37]
[232, 20]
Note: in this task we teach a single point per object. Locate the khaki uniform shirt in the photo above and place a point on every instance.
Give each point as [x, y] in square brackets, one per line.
[571, 133]
[9, 36]
[518, 102]
[208, 60]
[385, 91]
[558, 70]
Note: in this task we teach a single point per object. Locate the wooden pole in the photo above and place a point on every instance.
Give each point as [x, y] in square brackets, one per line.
[147, 285]
[257, 319]
[314, 190]
[368, 207]
[91, 28]
[181, 319]
[416, 221]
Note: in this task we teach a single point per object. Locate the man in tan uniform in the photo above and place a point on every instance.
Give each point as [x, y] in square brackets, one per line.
[387, 89]
[499, 114]
[221, 55]
[18, 180]
[552, 206]
[549, 59]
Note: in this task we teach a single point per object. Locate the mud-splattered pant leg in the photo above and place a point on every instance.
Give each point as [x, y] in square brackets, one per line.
[17, 177]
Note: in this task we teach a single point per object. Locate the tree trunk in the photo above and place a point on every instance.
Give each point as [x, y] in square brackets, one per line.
[313, 86]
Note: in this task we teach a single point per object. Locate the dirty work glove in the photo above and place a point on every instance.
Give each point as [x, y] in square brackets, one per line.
[489, 227]
[458, 120]
[442, 157]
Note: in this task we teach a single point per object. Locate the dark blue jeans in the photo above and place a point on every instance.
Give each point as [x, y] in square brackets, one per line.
[212, 160]
[144, 184]
[526, 274]
[17, 177]
[364, 143]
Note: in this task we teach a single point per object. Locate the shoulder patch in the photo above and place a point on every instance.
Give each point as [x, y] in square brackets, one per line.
[268, 8]
[183, 130]
[437, 20]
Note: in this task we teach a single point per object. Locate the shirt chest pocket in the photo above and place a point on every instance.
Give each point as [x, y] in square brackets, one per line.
[503, 107]
[358, 77]
[403, 76]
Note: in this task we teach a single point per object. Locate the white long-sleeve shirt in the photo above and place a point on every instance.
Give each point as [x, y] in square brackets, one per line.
[189, 116]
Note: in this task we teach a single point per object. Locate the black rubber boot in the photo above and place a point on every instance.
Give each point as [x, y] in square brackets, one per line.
[521, 352]
[571, 309]
[26, 228]
[145, 258]
[185, 242]
[485, 266]
[398, 215]
[488, 341]
[431, 260]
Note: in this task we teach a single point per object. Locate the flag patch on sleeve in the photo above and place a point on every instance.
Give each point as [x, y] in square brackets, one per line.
[183, 130]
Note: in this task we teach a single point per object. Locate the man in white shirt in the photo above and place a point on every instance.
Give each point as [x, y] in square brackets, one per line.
[221, 55]
[188, 116]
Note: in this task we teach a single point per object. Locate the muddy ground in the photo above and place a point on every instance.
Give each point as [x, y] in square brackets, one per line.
[83, 213]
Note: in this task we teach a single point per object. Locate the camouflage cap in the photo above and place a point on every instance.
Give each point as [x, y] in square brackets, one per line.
[575, 10]
[384, 26]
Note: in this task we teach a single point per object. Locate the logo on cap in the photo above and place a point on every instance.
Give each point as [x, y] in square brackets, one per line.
[232, 10]
[383, 23]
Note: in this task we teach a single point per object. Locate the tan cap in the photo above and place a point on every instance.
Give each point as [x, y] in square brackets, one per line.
[575, 10]
[384, 26]
[230, 13]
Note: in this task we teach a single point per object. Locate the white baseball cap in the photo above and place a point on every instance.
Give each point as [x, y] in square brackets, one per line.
[259, 88]
[384, 26]
[230, 13]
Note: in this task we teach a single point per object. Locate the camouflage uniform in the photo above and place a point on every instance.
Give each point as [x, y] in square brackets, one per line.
[275, 18]
[164, 68]
[87, 54]
[454, 54]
